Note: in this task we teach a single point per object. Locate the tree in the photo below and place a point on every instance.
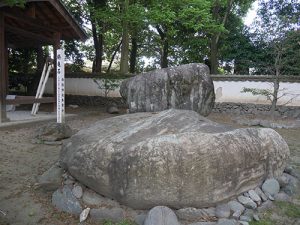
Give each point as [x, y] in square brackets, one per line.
[19, 3]
[276, 28]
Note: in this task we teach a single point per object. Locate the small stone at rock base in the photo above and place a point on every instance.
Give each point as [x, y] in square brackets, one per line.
[243, 222]
[53, 132]
[246, 194]
[112, 109]
[271, 186]
[255, 217]
[140, 219]
[69, 182]
[270, 197]
[64, 200]
[247, 202]
[236, 206]
[113, 214]
[84, 214]
[227, 222]
[73, 106]
[283, 180]
[293, 187]
[77, 191]
[249, 213]
[203, 223]
[51, 179]
[223, 211]
[261, 194]
[290, 170]
[195, 214]
[265, 206]
[245, 218]
[161, 215]
[254, 196]
[281, 196]
[92, 198]
[236, 215]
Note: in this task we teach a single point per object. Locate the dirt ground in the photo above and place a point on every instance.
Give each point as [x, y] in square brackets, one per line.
[21, 162]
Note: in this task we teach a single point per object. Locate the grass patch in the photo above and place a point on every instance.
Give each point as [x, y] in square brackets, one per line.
[289, 209]
[261, 222]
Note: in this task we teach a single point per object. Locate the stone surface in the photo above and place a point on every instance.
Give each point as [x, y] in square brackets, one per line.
[236, 215]
[236, 206]
[265, 206]
[112, 109]
[245, 218]
[283, 180]
[261, 194]
[64, 200]
[254, 196]
[224, 221]
[203, 223]
[145, 159]
[51, 179]
[243, 222]
[195, 214]
[282, 196]
[77, 191]
[102, 214]
[161, 215]
[293, 186]
[53, 132]
[140, 219]
[256, 217]
[184, 87]
[247, 202]
[271, 186]
[92, 198]
[223, 211]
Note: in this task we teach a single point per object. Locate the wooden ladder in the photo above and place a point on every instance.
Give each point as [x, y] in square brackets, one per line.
[41, 88]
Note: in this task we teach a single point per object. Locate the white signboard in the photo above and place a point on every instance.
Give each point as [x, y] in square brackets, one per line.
[60, 82]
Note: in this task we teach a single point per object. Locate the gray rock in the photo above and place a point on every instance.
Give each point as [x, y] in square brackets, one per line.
[243, 222]
[254, 196]
[183, 87]
[64, 200]
[112, 109]
[247, 202]
[270, 197]
[92, 198]
[102, 214]
[265, 206]
[223, 211]
[283, 180]
[224, 221]
[249, 213]
[161, 215]
[261, 194]
[77, 191]
[236, 215]
[53, 132]
[195, 214]
[282, 196]
[290, 170]
[293, 186]
[203, 223]
[271, 186]
[51, 179]
[236, 206]
[256, 217]
[140, 219]
[245, 218]
[125, 158]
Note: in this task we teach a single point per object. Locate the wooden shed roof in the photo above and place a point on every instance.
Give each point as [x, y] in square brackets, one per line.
[38, 22]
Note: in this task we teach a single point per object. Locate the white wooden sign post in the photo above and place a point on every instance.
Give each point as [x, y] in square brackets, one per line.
[60, 82]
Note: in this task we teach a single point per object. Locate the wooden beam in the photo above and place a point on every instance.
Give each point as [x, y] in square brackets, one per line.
[28, 34]
[3, 72]
[22, 100]
[32, 22]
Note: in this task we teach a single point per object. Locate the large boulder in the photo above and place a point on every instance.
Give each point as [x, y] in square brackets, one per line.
[184, 87]
[175, 158]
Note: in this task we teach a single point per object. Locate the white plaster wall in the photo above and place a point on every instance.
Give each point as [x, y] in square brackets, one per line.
[226, 91]
[230, 91]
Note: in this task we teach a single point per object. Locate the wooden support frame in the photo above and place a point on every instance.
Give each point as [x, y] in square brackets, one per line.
[29, 100]
[3, 70]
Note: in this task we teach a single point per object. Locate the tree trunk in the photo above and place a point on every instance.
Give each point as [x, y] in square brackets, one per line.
[214, 55]
[113, 56]
[124, 68]
[98, 45]
[133, 54]
[40, 61]
[164, 55]
[275, 97]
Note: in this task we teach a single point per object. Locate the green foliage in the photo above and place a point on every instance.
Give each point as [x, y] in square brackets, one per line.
[107, 85]
[289, 209]
[257, 91]
[261, 222]
[19, 3]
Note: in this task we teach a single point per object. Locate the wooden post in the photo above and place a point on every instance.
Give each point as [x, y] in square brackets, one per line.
[56, 46]
[3, 71]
